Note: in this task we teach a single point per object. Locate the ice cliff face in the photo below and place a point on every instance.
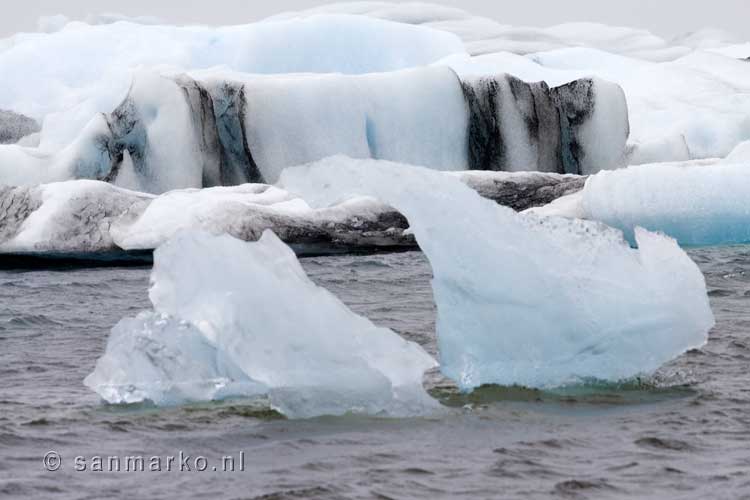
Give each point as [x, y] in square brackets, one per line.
[577, 128]
[211, 130]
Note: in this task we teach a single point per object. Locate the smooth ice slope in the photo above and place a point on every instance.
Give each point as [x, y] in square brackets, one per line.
[243, 319]
[532, 301]
[697, 205]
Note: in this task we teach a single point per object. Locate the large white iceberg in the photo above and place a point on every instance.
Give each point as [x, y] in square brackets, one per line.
[243, 319]
[528, 300]
[212, 128]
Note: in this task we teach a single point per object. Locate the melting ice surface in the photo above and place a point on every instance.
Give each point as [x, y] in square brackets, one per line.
[243, 319]
[526, 300]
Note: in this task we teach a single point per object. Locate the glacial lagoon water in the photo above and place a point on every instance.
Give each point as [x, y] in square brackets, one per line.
[683, 434]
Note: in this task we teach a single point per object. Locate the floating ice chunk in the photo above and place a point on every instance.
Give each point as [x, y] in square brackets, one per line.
[525, 300]
[697, 205]
[242, 319]
[154, 357]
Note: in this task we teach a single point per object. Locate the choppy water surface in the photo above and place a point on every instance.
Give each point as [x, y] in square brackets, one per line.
[686, 435]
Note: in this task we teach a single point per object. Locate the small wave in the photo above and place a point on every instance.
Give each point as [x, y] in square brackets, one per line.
[576, 486]
[657, 443]
[32, 320]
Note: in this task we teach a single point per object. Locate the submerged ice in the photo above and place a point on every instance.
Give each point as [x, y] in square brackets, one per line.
[236, 319]
[526, 300]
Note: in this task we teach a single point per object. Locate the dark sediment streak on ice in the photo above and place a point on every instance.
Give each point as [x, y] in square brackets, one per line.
[16, 205]
[486, 147]
[14, 127]
[230, 109]
[490, 101]
[79, 231]
[523, 190]
[512, 125]
[550, 120]
[575, 102]
[126, 133]
[218, 121]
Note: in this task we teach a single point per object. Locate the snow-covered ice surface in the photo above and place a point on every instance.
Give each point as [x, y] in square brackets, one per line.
[531, 300]
[237, 319]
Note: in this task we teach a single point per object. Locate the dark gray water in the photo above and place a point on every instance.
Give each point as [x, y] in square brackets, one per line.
[686, 437]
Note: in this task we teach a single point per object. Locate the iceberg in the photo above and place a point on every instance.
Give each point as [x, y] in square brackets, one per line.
[527, 300]
[695, 204]
[216, 128]
[94, 220]
[237, 319]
